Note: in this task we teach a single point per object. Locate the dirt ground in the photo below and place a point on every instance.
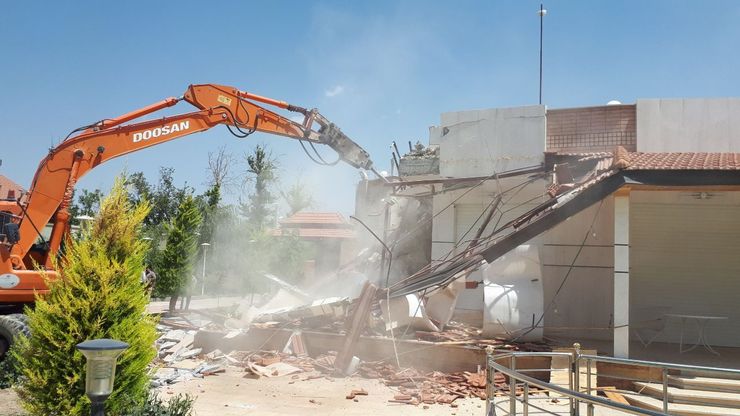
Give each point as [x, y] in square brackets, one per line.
[231, 394]
[9, 405]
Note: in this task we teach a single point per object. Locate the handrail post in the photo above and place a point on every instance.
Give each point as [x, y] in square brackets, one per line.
[570, 381]
[512, 387]
[525, 392]
[590, 406]
[489, 381]
[575, 410]
[665, 390]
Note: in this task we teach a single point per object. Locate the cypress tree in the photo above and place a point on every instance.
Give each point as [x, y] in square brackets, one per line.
[99, 296]
[175, 264]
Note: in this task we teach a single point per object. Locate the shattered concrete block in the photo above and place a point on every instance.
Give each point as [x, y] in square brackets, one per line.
[190, 353]
[273, 370]
[209, 369]
[167, 345]
[440, 305]
[406, 310]
[174, 335]
[185, 342]
[215, 354]
[335, 307]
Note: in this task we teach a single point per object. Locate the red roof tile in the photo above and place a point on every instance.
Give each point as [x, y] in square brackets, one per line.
[679, 161]
[622, 159]
[315, 218]
[8, 185]
[315, 232]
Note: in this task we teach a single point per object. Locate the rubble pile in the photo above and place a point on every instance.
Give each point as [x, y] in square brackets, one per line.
[177, 360]
[414, 387]
[457, 333]
[463, 334]
[433, 387]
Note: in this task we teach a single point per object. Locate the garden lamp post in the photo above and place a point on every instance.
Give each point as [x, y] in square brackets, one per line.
[101, 357]
[84, 222]
[203, 277]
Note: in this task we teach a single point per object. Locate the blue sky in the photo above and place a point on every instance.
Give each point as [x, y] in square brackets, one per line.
[381, 70]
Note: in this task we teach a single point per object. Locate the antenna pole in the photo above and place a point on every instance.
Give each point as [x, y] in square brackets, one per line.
[542, 12]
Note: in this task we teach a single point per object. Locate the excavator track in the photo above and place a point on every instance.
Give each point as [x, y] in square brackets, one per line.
[12, 326]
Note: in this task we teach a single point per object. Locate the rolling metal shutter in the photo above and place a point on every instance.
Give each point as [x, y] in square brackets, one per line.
[685, 259]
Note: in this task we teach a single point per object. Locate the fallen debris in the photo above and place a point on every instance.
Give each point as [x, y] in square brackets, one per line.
[434, 387]
[357, 323]
[319, 310]
[356, 392]
[277, 369]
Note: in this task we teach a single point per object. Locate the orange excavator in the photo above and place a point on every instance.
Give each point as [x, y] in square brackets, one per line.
[23, 248]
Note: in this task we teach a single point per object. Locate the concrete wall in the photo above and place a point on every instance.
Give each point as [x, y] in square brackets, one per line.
[456, 222]
[390, 217]
[481, 142]
[583, 308]
[688, 125]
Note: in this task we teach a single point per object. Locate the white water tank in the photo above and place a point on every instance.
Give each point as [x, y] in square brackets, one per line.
[513, 295]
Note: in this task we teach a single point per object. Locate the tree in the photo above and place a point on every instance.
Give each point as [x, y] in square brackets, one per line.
[262, 167]
[219, 167]
[297, 198]
[99, 296]
[87, 203]
[175, 264]
[209, 209]
[139, 188]
[166, 197]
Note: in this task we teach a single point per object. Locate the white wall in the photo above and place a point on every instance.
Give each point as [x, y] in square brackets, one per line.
[481, 142]
[688, 125]
[584, 306]
[457, 214]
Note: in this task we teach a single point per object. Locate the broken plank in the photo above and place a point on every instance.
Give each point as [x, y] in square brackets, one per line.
[612, 394]
[357, 321]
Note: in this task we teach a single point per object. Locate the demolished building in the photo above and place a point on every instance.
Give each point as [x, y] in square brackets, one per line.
[654, 181]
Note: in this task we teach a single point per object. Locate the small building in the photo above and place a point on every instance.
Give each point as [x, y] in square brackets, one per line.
[10, 190]
[330, 234]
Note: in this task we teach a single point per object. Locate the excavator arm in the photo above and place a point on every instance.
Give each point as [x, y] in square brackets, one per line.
[51, 190]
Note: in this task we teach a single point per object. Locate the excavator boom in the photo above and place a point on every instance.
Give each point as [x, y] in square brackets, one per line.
[51, 190]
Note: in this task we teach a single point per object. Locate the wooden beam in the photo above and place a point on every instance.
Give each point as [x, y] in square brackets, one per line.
[357, 323]
[612, 394]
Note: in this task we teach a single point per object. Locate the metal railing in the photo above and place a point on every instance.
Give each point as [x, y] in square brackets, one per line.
[517, 378]
[665, 370]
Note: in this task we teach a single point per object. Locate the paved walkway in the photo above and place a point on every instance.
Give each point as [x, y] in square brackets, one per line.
[198, 303]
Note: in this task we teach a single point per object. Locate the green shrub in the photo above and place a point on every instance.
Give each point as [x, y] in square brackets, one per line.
[99, 296]
[9, 372]
[180, 405]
